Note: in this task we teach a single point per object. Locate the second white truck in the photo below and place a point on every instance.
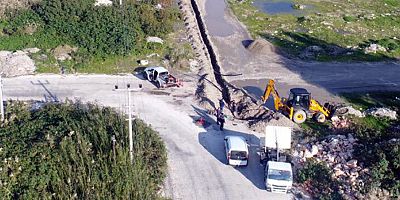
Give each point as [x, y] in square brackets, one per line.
[278, 173]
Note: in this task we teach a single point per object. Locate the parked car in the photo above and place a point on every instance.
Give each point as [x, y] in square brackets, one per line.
[237, 150]
[161, 77]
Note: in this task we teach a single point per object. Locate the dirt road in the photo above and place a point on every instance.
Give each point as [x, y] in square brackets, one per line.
[196, 161]
[324, 80]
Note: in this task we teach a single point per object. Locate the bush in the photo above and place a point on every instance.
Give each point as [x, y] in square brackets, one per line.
[380, 152]
[65, 151]
[96, 30]
[319, 177]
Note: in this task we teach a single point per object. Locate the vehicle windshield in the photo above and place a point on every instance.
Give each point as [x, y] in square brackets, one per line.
[238, 155]
[281, 175]
[164, 74]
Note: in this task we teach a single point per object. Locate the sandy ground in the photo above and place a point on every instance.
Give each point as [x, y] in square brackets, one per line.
[324, 80]
[196, 161]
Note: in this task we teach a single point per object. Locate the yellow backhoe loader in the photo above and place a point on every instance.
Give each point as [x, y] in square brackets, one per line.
[299, 106]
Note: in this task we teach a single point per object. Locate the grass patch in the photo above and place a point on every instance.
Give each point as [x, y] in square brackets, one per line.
[373, 99]
[341, 28]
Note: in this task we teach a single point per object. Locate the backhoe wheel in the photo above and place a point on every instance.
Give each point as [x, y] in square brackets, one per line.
[319, 117]
[299, 116]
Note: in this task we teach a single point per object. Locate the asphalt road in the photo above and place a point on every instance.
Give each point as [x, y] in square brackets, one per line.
[196, 161]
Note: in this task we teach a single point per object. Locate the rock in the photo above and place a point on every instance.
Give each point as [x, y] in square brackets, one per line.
[349, 110]
[314, 150]
[308, 154]
[16, 64]
[31, 50]
[373, 48]
[339, 173]
[144, 62]
[154, 39]
[352, 163]
[64, 52]
[298, 6]
[193, 63]
[382, 112]
[311, 52]
[103, 3]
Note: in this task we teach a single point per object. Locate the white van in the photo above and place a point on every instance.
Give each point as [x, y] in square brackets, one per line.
[237, 151]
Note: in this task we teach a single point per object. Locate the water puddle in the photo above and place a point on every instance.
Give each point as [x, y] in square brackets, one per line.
[275, 7]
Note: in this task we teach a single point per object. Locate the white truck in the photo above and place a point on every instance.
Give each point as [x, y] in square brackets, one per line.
[278, 173]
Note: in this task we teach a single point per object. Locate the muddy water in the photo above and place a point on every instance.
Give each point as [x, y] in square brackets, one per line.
[274, 7]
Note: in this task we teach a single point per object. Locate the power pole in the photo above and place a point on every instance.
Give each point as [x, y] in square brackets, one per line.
[128, 89]
[1, 99]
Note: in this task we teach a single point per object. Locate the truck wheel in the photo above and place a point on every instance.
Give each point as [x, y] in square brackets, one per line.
[319, 117]
[299, 116]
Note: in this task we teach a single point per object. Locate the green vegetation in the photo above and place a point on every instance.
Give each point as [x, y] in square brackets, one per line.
[65, 151]
[319, 177]
[341, 28]
[378, 143]
[107, 37]
[379, 140]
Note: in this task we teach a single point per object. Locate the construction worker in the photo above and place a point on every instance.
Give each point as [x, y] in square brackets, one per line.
[220, 120]
[221, 105]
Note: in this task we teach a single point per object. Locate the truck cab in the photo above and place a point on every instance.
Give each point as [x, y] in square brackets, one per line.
[278, 176]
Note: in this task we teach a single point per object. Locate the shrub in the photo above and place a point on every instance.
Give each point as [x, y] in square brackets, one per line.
[319, 177]
[65, 151]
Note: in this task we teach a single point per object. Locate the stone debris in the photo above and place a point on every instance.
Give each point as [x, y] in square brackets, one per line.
[144, 62]
[337, 152]
[349, 110]
[64, 52]
[298, 6]
[31, 50]
[154, 39]
[103, 3]
[382, 112]
[16, 63]
[311, 52]
[339, 122]
[373, 48]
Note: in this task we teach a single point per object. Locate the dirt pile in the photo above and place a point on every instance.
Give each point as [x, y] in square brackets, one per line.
[337, 152]
[16, 63]
[252, 110]
[260, 46]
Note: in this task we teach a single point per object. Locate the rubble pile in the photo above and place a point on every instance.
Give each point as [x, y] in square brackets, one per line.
[340, 122]
[382, 112]
[337, 152]
[16, 63]
[349, 110]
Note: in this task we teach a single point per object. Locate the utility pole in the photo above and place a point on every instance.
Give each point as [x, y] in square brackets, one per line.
[128, 89]
[1, 99]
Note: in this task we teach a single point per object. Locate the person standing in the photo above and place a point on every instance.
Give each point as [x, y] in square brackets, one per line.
[221, 104]
[221, 119]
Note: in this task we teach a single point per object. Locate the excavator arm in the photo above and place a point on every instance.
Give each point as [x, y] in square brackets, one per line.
[270, 89]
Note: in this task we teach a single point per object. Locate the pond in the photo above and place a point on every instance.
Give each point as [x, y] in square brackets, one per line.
[274, 7]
